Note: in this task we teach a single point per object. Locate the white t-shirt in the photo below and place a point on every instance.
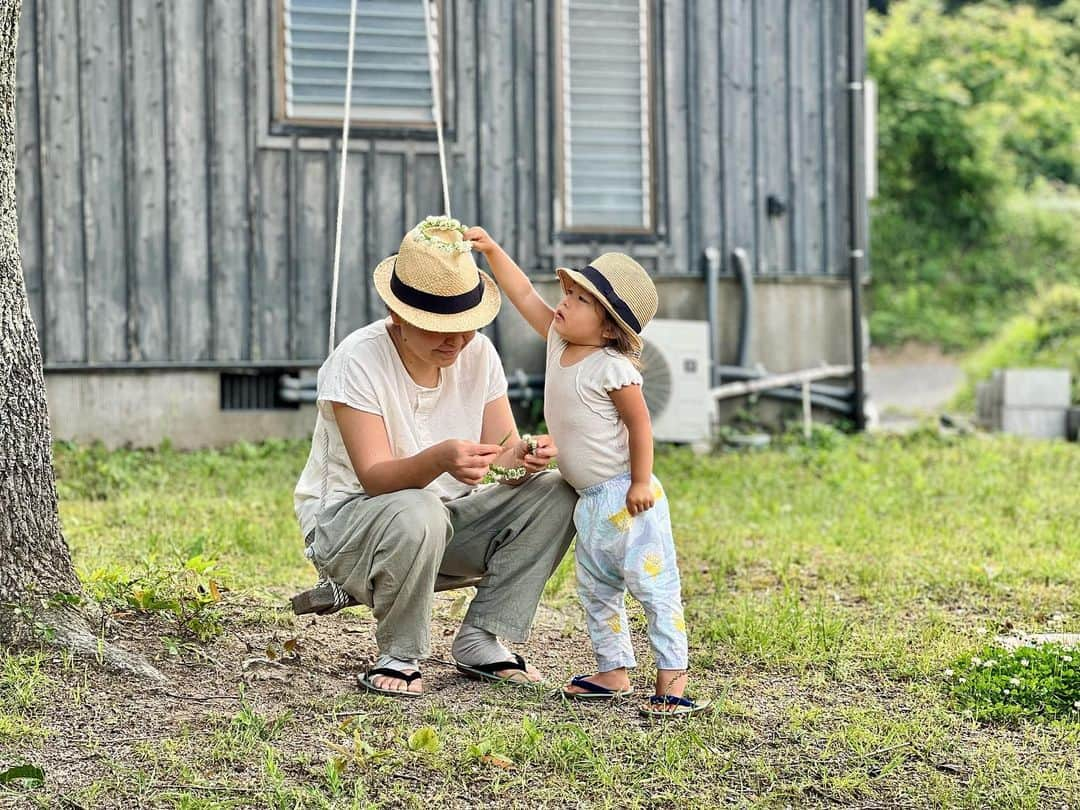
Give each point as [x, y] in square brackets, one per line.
[365, 372]
[593, 442]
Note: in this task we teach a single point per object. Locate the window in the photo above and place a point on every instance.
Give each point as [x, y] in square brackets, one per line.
[603, 102]
[391, 73]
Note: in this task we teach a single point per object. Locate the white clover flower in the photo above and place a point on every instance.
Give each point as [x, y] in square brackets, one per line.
[975, 660]
[980, 631]
[1014, 681]
[1024, 662]
[948, 673]
[1076, 704]
[1066, 658]
[962, 680]
[988, 663]
[1005, 691]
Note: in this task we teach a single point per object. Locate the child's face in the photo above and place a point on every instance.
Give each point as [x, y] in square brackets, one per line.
[579, 318]
[434, 348]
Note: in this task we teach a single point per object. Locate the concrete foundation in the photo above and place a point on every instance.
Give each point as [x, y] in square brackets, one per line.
[141, 409]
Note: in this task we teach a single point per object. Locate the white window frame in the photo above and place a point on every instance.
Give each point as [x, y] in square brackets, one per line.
[564, 215]
[360, 120]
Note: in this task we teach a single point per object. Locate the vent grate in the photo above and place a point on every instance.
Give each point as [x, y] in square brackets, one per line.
[253, 391]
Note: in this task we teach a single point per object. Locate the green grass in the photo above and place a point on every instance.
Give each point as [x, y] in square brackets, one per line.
[828, 588]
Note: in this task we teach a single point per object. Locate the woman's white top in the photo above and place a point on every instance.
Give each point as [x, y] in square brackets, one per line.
[593, 442]
[365, 372]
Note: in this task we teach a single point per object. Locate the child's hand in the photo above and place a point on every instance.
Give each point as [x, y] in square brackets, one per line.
[481, 240]
[639, 498]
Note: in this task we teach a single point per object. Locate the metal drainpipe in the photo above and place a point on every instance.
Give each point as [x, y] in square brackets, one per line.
[857, 198]
[712, 279]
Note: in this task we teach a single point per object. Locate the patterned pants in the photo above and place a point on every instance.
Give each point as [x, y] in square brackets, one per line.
[615, 553]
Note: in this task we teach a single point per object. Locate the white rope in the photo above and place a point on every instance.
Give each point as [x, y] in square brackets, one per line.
[436, 95]
[341, 172]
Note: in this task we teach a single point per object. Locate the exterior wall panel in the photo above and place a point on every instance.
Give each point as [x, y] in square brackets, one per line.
[166, 216]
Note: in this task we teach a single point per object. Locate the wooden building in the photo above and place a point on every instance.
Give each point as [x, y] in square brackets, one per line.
[178, 165]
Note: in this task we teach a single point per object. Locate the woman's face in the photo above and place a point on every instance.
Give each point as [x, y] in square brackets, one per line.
[439, 349]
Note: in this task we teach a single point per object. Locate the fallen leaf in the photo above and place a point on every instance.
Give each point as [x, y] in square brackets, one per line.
[497, 761]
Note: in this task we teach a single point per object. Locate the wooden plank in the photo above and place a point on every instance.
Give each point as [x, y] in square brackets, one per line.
[270, 287]
[355, 269]
[465, 149]
[674, 124]
[707, 162]
[543, 116]
[838, 93]
[313, 256]
[147, 182]
[426, 187]
[61, 185]
[810, 202]
[101, 105]
[525, 132]
[189, 212]
[737, 86]
[28, 165]
[774, 167]
[386, 215]
[255, 126]
[495, 205]
[228, 180]
[828, 161]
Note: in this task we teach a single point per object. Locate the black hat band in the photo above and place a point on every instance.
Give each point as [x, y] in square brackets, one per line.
[435, 304]
[617, 304]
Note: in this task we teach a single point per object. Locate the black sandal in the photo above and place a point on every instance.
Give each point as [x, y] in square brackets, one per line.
[367, 683]
[486, 672]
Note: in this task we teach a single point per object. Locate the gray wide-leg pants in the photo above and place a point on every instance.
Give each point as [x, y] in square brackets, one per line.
[387, 551]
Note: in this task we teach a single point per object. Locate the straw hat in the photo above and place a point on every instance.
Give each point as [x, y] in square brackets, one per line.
[433, 283]
[622, 287]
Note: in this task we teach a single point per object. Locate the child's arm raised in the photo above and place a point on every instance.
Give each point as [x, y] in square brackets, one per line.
[513, 281]
[630, 403]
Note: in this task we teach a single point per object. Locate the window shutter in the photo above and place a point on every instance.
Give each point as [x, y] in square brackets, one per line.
[391, 79]
[605, 114]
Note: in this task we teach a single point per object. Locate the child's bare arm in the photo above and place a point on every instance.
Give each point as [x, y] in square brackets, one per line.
[630, 403]
[513, 281]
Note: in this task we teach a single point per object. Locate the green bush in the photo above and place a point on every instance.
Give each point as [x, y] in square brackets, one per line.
[930, 285]
[1047, 335]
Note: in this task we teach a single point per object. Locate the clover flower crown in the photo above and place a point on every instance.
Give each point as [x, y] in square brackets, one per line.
[426, 228]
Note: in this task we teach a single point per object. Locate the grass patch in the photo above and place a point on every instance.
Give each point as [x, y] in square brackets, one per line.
[1041, 682]
[828, 586]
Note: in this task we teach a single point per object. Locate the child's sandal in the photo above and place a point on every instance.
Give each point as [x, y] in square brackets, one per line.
[683, 706]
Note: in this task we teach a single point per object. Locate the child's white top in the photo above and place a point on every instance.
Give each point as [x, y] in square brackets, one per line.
[365, 372]
[593, 442]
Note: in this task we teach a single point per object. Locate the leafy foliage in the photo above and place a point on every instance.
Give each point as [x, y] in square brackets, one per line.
[1040, 682]
[979, 127]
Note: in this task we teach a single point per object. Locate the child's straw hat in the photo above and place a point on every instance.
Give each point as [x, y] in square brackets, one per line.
[433, 283]
[622, 287]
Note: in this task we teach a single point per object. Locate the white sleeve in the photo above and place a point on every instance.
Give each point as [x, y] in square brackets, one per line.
[496, 377]
[619, 373]
[350, 383]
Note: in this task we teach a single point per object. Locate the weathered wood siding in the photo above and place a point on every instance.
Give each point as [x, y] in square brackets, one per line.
[169, 217]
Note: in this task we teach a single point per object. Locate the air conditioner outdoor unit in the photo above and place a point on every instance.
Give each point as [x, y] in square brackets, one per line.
[676, 380]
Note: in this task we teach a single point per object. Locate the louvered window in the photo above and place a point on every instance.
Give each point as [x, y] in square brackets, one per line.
[391, 74]
[604, 122]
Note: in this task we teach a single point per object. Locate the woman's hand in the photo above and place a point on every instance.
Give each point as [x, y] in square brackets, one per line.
[537, 458]
[481, 240]
[468, 462]
[639, 498]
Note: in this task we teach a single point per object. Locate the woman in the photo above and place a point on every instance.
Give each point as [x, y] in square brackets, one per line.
[412, 413]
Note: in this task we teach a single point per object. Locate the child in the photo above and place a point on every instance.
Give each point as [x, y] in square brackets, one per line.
[596, 414]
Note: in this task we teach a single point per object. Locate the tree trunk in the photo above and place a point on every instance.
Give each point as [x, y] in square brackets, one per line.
[35, 565]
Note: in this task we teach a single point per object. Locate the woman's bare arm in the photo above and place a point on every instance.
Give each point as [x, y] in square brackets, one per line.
[368, 446]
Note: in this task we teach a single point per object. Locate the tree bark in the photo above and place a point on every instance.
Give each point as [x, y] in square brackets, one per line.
[35, 564]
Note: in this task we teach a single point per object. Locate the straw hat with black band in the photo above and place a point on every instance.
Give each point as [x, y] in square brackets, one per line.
[433, 283]
[622, 287]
